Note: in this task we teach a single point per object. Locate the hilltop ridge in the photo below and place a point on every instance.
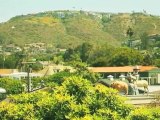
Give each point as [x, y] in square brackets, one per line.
[71, 28]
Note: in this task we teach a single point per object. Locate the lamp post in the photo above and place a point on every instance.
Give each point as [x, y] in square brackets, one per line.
[29, 78]
[29, 70]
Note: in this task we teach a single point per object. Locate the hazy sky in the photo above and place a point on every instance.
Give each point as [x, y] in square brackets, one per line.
[11, 8]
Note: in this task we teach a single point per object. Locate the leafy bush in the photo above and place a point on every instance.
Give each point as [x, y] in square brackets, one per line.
[13, 111]
[140, 114]
[76, 98]
[38, 82]
[58, 77]
[12, 86]
[37, 66]
[156, 113]
[77, 87]
[145, 113]
[28, 98]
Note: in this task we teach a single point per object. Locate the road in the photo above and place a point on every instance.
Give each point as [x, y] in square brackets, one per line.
[144, 99]
[152, 88]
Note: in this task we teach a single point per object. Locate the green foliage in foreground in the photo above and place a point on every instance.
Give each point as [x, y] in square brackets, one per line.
[11, 86]
[58, 78]
[75, 99]
[145, 114]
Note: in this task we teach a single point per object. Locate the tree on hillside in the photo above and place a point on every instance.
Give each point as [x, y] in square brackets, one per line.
[71, 55]
[57, 59]
[130, 32]
[21, 57]
[67, 55]
[144, 41]
[105, 18]
[80, 53]
[2, 61]
[85, 50]
[101, 55]
[148, 59]
[157, 63]
[9, 61]
[2, 39]
[126, 56]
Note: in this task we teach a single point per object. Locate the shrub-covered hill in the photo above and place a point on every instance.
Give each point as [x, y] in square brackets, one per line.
[70, 28]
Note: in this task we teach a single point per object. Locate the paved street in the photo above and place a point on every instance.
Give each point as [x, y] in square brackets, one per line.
[152, 88]
[144, 99]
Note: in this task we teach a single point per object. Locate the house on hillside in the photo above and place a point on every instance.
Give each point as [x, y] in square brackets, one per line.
[149, 73]
[12, 48]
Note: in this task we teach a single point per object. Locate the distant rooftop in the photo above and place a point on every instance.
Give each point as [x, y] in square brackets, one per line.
[121, 69]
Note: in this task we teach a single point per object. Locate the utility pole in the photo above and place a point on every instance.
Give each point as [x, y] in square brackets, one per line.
[29, 70]
[29, 79]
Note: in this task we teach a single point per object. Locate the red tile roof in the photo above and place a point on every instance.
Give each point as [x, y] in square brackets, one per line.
[120, 69]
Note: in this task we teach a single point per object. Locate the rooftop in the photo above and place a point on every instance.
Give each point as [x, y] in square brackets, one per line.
[121, 69]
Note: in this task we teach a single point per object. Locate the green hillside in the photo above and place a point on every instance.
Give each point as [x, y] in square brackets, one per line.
[70, 28]
[139, 22]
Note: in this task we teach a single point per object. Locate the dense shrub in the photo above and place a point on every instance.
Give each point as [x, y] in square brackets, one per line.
[38, 82]
[140, 114]
[76, 98]
[156, 113]
[14, 111]
[144, 113]
[12, 86]
[37, 66]
[58, 77]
